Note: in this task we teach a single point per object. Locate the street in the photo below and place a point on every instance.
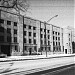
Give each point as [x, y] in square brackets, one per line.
[32, 66]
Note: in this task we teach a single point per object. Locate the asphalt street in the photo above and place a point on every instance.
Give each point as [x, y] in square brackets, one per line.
[65, 70]
[33, 66]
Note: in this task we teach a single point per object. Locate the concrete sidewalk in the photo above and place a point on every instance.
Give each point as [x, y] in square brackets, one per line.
[33, 57]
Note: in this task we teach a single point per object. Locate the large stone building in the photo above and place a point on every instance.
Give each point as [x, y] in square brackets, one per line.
[24, 35]
[69, 40]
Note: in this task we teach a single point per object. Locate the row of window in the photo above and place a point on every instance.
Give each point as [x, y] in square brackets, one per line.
[8, 39]
[30, 34]
[29, 27]
[45, 36]
[55, 38]
[34, 48]
[56, 43]
[41, 29]
[44, 42]
[57, 33]
[8, 22]
[8, 30]
[30, 41]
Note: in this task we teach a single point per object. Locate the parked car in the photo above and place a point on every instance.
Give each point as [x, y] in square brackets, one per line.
[2, 55]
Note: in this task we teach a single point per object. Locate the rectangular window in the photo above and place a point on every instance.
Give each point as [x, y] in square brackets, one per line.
[44, 36]
[1, 38]
[8, 30]
[29, 33]
[25, 33]
[25, 40]
[15, 31]
[34, 41]
[15, 39]
[53, 37]
[2, 21]
[48, 42]
[48, 31]
[58, 38]
[41, 29]
[29, 27]
[30, 41]
[8, 38]
[8, 22]
[16, 48]
[41, 41]
[41, 35]
[34, 28]
[2, 29]
[58, 33]
[53, 32]
[44, 30]
[24, 25]
[34, 34]
[15, 23]
[53, 43]
[48, 36]
[25, 47]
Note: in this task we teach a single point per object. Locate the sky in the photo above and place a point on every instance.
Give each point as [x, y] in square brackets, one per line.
[45, 9]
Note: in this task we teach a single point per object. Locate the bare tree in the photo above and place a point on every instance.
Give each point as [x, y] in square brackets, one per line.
[17, 5]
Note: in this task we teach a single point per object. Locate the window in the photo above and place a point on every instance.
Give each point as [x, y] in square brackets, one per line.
[29, 33]
[44, 36]
[53, 43]
[34, 28]
[24, 33]
[1, 38]
[24, 26]
[44, 30]
[53, 37]
[53, 32]
[58, 38]
[8, 30]
[41, 29]
[15, 31]
[15, 23]
[8, 22]
[48, 31]
[34, 41]
[1, 29]
[41, 41]
[8, 38]
[25, 47]
[30, 41]
[48, 36]
[29, 27]
[58, 33]
[15, 39]
[59, 43]
[35, 48]
[48, 42]
[25, 40]
[34, 34]
[41, 35]
[16, 48]
[56, 43]
[1, 21]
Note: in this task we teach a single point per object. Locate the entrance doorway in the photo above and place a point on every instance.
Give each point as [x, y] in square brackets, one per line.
[5, 49]
[66, 51]
[30, 51]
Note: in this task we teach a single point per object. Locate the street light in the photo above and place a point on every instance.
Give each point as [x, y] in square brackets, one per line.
[45, 32]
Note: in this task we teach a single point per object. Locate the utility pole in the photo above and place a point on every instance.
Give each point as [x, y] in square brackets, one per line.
[45, 22]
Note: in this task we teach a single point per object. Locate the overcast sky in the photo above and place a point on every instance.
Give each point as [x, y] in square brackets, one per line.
[45, 9]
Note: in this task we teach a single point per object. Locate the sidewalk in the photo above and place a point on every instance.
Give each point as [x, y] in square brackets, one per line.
[34, 57]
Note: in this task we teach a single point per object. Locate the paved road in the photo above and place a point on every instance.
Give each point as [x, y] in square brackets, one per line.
[31, 66]
[65, 70]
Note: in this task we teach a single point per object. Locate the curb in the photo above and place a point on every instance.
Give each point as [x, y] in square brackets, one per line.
[9, 60]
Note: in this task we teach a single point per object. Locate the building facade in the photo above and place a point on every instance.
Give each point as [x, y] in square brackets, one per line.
[69, 40]
[21, 35]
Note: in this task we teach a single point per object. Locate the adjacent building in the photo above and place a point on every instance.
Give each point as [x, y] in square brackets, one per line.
[21, 35]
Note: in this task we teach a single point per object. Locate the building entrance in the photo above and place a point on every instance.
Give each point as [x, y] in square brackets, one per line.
[5, 49]
[66, 51]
